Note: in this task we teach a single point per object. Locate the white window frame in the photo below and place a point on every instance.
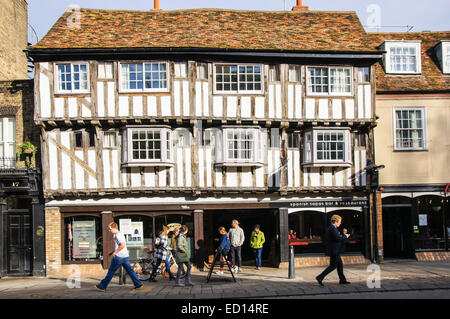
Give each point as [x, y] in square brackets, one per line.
[8, 139]
[445, 57]
[165, 132]
[329, 93]
[312, 161]
[105, 133]
[256, 159]
[238, 91]
[73, 90]
[295, 73]
[403, 44]
[424, 128]
[158, 90]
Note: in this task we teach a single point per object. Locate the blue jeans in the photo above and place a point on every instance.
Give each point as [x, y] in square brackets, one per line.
[180, 270]
[158, 262]
[257, 252]
[115, 264]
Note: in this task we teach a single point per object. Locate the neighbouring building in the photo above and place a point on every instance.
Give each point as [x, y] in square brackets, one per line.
[199, 117]
[22, 250]
[412, 140]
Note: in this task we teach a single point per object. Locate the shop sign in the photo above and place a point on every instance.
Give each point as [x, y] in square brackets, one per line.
[84, 245]
[133, 232]
[345, 203]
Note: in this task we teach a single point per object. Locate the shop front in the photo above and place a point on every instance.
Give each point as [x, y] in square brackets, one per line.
[416, 225]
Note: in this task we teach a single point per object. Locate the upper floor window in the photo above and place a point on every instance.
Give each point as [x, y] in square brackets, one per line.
[295, 73]
[274, 73]
[230, 78]
[364, 75]
[110, 139]
[403, 57]
[105, 70]
[147, 145]
[327, 147]
[145, 77]
[409, 129]
[330, 80]
[72, 78]
[181, 69]
[7, 142]
[202, 71]
[445, 57]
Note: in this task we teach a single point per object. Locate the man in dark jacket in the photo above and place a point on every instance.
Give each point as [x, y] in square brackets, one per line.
[335, 243]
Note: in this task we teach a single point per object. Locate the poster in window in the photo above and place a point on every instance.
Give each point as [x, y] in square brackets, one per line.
[84, 245]
[423, 220]
[133, 232]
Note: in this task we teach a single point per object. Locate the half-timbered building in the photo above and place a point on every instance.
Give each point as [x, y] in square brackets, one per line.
[200, 117]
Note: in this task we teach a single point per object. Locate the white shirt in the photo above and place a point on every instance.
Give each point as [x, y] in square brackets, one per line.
[118, 239]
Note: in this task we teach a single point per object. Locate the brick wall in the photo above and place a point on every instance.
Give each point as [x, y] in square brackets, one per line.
[325, 261]
[433, 256]
[17, 100]
[53, 239]
[13, 39]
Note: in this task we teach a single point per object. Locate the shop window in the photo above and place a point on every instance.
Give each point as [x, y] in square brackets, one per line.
[82, 239]
[310, 229]
[353, 224]
[138, 232]
[176, 221]
[429, 223]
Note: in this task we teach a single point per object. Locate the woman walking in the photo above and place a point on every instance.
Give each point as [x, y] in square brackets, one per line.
[162, 250]
[257, 241]
[182, 256]
[224, 248]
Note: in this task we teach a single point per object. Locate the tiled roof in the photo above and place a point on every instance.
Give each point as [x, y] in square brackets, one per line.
[210, 28]
[431, 77]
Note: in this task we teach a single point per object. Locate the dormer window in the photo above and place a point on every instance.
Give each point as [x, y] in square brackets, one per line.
[443, 55]
[72, 78]
[402, 57]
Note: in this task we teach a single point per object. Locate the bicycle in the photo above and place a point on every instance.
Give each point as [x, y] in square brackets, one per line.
[144, 266]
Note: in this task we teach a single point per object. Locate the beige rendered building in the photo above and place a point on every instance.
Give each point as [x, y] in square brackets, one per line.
[412, 141]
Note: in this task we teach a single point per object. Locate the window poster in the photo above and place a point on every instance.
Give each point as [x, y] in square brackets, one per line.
[84, 244]
[133, 232]
[423, 220]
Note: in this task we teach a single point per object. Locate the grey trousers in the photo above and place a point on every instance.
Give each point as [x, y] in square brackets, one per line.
[236, 258]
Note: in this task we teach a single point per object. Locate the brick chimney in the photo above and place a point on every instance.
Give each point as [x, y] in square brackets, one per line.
[299, 7]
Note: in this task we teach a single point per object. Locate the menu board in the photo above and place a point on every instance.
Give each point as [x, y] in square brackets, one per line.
[84, 245]
[133, 232]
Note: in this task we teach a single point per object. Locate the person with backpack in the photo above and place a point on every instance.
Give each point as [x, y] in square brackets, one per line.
[162, 254]
[257, 241]
[182, 256]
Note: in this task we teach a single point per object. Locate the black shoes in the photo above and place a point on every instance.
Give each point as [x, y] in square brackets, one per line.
[99, 288]
[139, 287]
[319, 281]
[344, 282]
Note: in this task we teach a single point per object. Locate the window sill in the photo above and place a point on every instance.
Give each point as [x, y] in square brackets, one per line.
[411, 150]
[328, 164]
[149, 164]
[239, 164]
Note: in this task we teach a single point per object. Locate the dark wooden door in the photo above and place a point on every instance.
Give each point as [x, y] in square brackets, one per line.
[20, 244]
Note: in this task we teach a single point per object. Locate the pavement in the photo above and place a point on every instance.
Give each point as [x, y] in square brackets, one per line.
[411, 277]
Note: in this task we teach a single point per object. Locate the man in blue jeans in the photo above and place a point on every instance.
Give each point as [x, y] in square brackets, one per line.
[120, 258]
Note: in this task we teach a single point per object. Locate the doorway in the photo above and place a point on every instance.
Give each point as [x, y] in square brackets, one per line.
[20, 247]
[397, 232]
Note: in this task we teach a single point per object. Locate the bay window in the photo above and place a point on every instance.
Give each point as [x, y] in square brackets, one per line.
[72, 78]
[327, 147]
[144, 77]
[147, 146]
[329, 80]
[231, 78]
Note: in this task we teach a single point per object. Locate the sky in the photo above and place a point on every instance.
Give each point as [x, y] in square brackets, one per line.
[376, 15]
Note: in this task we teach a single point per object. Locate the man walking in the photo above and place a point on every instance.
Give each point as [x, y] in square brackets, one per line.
[335, 242]
[236, 235]
[120, 258]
